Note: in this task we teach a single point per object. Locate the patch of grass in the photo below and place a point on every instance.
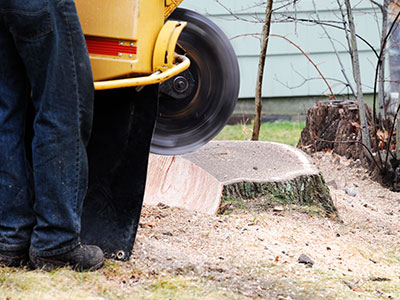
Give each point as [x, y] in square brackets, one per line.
[235, 201]
[285, 132]
[278, 199]
[258, 204]
[313, 210]
[64, 284]
[392, 256]
[181, 287]
[387, 289]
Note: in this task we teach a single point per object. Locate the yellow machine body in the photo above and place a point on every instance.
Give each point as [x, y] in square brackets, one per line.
[129, 40]
[170, 6]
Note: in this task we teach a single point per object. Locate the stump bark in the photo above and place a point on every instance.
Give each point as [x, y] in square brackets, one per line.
[308, 190]
[335, 126]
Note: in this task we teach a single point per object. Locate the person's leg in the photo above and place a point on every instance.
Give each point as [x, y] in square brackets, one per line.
[16, 216]
[49, 39]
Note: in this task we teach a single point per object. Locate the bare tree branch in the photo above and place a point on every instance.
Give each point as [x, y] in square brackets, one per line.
[302, 51]
[310, 60]
[326, 23]
[336, 52]
[378, 66]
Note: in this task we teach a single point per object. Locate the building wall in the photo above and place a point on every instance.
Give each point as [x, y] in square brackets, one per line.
[288, 72]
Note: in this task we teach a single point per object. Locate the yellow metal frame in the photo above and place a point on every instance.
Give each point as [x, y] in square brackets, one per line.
[164, 58]
[129, 23]
[170, 6]
[155, 78]
[131, 40]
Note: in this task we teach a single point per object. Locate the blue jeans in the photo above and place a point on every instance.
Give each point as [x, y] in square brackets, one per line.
[43, 58]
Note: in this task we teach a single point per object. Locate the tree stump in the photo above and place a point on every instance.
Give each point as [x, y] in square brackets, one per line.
[335, 125]
[233, 171]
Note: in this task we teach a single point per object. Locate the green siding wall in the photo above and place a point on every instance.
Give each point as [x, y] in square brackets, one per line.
[288, 72]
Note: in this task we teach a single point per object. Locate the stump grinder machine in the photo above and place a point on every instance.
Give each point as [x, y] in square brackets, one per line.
[166, 81]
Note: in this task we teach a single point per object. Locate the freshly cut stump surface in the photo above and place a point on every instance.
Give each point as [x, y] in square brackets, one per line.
[223, 170]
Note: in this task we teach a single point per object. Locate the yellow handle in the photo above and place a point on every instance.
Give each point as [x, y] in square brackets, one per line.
[146, 80]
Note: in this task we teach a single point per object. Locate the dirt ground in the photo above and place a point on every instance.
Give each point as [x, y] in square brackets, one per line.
[253, 252]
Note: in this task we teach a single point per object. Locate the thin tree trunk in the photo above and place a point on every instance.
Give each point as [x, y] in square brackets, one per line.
[398, 138]
[357, 76]
[260, 74]
[381, 92]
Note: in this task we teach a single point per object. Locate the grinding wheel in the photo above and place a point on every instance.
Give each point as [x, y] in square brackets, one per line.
[195, 105]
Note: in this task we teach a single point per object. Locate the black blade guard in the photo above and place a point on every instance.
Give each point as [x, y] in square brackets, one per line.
[118, 156]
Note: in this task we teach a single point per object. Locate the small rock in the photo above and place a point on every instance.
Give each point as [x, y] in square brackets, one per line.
[278, 209]
[162, 205]
[352, 192]
[167, 233]
[333, 184]
[280, 297]
[337, 161]
[328, 248]
[373, 278]
[351, 285]
[145, 225]
[304, 259]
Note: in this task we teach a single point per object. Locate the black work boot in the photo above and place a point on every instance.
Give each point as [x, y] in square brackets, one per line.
[81, 258]
[13, 258]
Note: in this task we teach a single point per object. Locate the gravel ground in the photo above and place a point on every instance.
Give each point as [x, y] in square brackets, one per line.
[255, 252]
